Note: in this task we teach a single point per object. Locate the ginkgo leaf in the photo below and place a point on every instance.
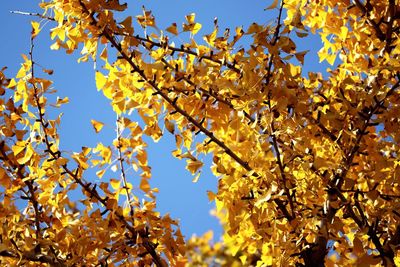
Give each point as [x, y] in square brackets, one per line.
[61, 101]
[100, 173]
[169, 125]
[100, 80]
[211, 196]
[193, 165]
[287, 44]
[144, 185]
[300, 56]
[343, 32]
[97, 125]
[254, 27]
[115, 184]
[27, 156]
[190, 18]
[127, 24]
[80, 160]
[196, 177]
[35, 28]
[273, 5]
[331, 58]
[18, 148]
[196, 28]
[191, 26]
[172, 29]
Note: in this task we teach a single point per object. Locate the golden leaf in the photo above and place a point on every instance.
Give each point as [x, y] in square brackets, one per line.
[273, 5]
[100, 80]
[172, 29]
[97, 125]
[35, 28]
[115, 184]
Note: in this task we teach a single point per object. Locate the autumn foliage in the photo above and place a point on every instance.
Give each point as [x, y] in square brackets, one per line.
[308, 164]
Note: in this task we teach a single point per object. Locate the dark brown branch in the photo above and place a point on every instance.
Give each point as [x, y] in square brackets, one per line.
[30, 183]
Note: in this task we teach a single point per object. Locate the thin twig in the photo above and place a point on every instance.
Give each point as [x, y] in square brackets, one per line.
[121, 164]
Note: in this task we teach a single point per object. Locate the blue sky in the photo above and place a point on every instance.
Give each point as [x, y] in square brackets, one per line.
[180, 197]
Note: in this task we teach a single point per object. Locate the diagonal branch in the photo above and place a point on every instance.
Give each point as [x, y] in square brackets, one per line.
[165, 96]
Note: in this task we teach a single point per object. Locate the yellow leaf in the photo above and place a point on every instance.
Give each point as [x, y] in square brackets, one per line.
[193, 165]
[294, 70]
[97, 125]
[172, 29]
[35, 29]
[192, 26]
[115, 184]
[243, 259]
[61, 101]
[59, 32]
[86, 150]
[219, 204]
[104, 54]
[190, 18]
[100, 80]
[196, 28]
[343, 32]
[144, 185]
[27, 156]
[100, 173]
[273, 5]
[211, 196]
[12, 83]
[80, 160]
[397, 259]
[18, 147]
[331, 58]
[196, 178]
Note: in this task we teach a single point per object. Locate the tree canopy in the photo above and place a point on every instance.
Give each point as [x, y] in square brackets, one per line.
[307, 163]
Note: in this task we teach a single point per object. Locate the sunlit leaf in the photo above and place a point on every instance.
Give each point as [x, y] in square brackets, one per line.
[97, 125]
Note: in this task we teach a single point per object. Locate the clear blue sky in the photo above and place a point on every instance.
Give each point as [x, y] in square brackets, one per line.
[180, 197]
